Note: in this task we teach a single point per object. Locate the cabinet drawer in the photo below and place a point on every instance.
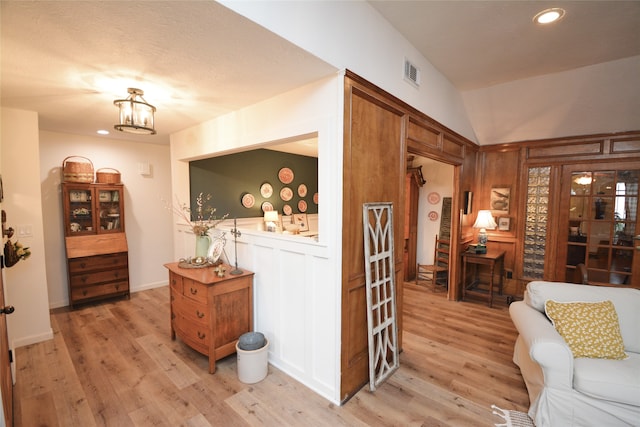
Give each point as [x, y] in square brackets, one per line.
[193, 334]
[88, 278]
[99, 290]
[190, 309]
[175, 281]
[194, 290]
[101, 262]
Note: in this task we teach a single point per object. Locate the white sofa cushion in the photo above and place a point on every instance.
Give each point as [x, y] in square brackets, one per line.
[625, 300]
[612, 380]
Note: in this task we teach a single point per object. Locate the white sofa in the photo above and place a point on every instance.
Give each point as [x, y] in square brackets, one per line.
[566, 391]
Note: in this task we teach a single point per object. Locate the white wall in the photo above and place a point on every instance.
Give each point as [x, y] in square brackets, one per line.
[297, 284]
[148, 223]
[353, 35]
[439, 177]
[596, 99]
[26, 282]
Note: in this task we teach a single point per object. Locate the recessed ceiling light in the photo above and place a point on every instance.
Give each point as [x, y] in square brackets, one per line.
[548, 16]
[103, 132]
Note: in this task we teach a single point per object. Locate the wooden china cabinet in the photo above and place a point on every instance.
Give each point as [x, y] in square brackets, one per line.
[95, 241]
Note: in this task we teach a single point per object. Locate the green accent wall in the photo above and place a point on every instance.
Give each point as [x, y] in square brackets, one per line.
[228, 178]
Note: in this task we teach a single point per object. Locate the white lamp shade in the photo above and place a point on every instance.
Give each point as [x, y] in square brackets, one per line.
[485, 220]
[270, 216]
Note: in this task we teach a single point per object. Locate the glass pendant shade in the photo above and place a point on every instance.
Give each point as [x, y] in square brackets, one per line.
[135, 114]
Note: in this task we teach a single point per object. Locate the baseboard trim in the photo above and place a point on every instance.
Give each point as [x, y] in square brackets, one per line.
[33, 339]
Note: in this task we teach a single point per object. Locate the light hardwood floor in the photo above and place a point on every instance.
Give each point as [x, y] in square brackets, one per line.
[114, 364]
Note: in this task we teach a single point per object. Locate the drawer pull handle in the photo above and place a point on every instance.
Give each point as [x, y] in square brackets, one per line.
[83, 265]
[84, 293]
[173, 282]
[194, 291]
[116, 274]
[201, 335]
[199, 314]
[84, 279]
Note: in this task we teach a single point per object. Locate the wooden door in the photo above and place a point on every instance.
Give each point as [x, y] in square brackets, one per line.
[599, 222]
[6, 382]
[374, 171]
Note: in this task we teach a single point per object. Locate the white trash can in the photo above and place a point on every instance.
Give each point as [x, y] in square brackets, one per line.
[253, 364]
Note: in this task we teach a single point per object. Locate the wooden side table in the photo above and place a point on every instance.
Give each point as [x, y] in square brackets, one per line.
[209, 313]
[492, 258]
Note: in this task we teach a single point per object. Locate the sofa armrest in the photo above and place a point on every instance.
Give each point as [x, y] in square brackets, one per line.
[546, 347]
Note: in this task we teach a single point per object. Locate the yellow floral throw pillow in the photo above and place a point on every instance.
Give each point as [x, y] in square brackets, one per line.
[591, 329]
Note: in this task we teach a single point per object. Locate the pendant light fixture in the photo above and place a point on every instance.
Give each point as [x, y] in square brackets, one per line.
[135, 114]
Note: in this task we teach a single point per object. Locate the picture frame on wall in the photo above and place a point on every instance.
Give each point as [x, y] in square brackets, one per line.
[500, 199]
[504, 223]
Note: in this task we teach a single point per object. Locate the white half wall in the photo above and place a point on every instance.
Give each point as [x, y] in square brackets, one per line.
[148, 223]
[297, 284]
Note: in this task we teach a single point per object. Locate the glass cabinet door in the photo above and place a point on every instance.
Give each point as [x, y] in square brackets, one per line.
[602, 222]
[110, 209]
[79, 205]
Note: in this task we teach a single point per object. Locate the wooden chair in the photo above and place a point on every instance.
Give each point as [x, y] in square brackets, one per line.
[436, 274]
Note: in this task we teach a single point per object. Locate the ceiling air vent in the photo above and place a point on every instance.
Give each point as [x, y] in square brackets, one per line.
[411, 73]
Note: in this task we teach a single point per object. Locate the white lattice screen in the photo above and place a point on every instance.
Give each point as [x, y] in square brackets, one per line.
[381, 294]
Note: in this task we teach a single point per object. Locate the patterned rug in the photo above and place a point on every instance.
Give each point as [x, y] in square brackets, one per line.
[512, 418]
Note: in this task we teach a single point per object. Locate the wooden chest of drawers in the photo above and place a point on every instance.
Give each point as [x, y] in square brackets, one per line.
[98, 276]
[209, 313]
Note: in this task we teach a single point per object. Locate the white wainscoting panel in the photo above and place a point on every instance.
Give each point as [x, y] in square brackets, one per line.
[296, 303]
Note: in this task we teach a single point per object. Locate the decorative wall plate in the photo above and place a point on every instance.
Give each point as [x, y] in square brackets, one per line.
[302, 206]
[433, 216]
[286, 209]
[248, 200]
[266, 206]
[302, 190]
[266, 190]
[433, 197]
[286, 194]
[285, 175]
[315, 198]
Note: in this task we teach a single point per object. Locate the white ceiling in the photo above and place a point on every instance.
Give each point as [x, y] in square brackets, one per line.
[195, 60]
[68, 60]
[481, 43]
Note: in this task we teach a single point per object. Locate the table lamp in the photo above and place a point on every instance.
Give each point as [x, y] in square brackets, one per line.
[483, 221]
[270, 219]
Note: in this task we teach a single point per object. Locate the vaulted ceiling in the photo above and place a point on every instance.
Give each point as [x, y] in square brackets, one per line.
[68, 60]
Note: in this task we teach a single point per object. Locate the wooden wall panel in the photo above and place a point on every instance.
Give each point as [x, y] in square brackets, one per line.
[560, 150]
[424, 134]
[505, 163]
[500, 169]
[374, 171]
[452, 146]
